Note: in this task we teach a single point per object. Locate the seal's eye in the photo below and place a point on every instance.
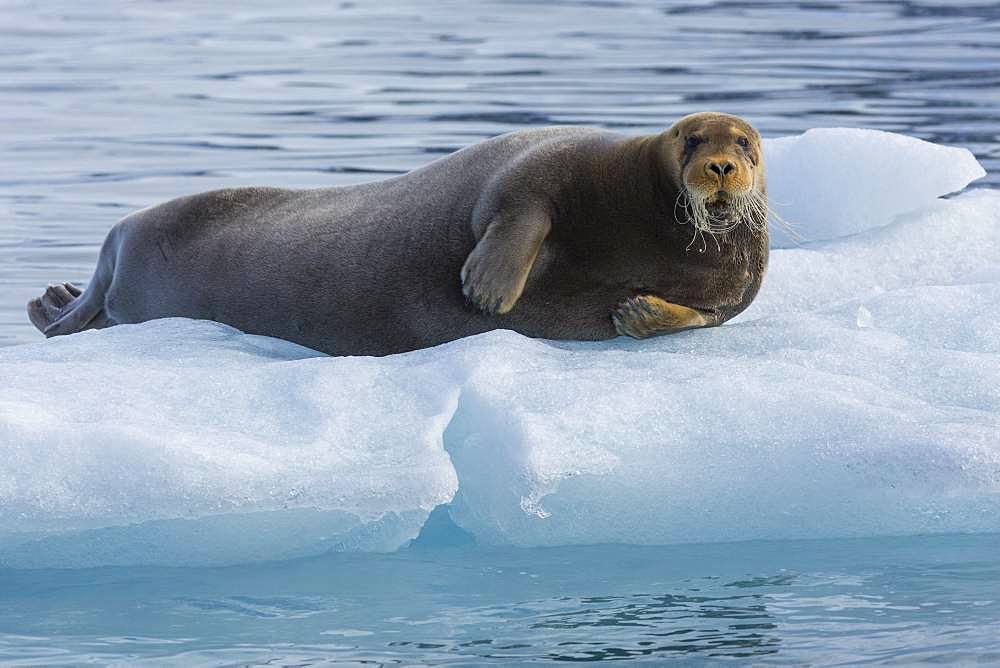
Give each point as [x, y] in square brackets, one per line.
[692, 143]
[744, 142]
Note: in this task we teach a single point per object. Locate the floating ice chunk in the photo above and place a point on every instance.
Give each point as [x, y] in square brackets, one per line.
[182, 441]
[831, 182]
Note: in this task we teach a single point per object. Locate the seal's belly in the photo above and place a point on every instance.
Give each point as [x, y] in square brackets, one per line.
[717, 288]
[564, 301]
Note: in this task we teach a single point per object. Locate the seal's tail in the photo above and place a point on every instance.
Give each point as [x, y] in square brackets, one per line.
[65, 309]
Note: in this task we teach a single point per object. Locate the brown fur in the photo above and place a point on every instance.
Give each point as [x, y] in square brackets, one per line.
[649, 172]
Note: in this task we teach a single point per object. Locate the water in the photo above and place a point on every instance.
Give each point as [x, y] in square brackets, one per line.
[109, 107]
[897, 599]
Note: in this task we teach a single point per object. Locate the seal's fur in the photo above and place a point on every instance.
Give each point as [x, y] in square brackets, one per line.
[563, 233]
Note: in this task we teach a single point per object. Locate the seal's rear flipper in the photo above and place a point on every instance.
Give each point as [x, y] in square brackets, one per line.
[45, 310]
[65, 309]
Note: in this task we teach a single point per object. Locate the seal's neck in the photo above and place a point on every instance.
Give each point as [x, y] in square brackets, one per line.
[637, 164]
[652, 154]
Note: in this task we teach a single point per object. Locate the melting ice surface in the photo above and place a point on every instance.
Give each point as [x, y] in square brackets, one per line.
[858, 396]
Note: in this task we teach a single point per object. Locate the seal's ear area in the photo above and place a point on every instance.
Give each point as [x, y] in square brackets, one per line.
[670, 149]
[683, 126]
[673, 138]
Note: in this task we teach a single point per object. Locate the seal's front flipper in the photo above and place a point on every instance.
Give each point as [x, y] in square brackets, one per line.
[643, 316]
[496, 270]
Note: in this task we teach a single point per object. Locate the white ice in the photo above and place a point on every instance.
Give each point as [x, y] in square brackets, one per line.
[831, 182]
[859, 395]
[212, 446]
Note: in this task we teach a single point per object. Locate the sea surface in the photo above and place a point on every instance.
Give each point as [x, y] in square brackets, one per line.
[107, 107]
[893, 600]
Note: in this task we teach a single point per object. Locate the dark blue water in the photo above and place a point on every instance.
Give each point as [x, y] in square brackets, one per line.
[109, 107]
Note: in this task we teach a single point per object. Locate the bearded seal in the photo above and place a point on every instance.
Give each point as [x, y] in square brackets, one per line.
[557, 233]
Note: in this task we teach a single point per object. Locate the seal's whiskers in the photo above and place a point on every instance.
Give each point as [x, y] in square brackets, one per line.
[786, 227]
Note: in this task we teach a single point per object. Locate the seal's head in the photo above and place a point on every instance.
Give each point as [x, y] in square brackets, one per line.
[719, 169]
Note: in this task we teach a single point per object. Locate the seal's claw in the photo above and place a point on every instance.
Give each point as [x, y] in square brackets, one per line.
[59, 294]
[489, 284]
[643, 316]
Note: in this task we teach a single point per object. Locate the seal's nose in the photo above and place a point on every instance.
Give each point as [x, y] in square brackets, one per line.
[719, 168]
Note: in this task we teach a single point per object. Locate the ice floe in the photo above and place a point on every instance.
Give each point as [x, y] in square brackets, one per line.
[859, 395]
[831, 182]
